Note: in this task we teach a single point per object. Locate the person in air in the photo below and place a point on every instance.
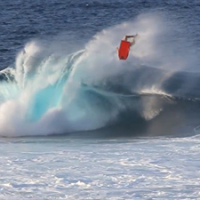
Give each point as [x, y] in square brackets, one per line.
[125, 45]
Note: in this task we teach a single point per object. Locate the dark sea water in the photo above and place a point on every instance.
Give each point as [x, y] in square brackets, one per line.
[100, 128]
[21, 21]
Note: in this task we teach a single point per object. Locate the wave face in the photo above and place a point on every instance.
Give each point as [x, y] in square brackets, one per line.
[56, 93]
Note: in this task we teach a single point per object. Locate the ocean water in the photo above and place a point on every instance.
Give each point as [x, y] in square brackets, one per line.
[78, 123]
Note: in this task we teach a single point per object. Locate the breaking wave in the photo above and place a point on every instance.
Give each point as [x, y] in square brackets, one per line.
[47, 92]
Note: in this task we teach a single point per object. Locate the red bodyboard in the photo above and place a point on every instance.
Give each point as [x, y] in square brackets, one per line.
[124, 50]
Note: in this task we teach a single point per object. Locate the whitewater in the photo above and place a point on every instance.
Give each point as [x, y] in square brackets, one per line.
[63, 168]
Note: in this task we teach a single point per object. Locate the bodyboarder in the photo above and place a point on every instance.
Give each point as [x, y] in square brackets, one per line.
[125, 45]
